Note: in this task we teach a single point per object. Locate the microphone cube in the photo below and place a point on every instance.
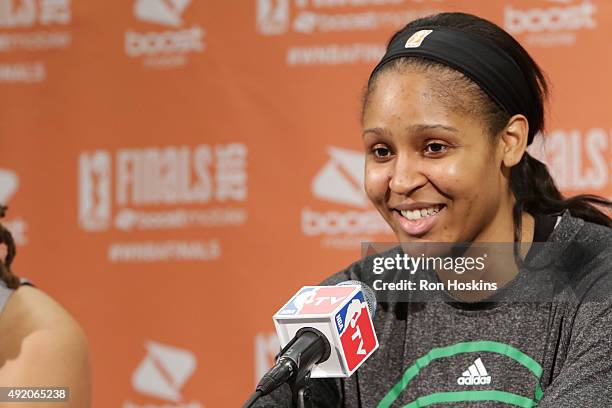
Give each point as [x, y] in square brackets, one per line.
[342, 315]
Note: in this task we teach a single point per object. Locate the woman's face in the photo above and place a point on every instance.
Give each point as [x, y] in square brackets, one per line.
[430, 171]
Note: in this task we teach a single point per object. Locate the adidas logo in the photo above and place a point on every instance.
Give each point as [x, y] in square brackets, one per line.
[476, 374]
[165, 12]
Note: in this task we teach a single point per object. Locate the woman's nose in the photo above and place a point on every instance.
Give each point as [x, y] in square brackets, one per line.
[406, 176]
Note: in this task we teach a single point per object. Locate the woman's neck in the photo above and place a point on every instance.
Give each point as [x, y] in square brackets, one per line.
[500, 267]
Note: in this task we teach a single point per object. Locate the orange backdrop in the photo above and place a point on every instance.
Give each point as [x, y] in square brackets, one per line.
[176, 169]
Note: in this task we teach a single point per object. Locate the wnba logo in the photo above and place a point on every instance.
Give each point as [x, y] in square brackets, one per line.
[94, 190]
[417, 38]
[28, 12]
[171, 178]
[272, 16]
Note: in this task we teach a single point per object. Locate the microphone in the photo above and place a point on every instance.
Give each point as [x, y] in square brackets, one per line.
[325, 332]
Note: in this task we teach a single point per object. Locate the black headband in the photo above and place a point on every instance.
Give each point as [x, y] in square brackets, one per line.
[479, 59]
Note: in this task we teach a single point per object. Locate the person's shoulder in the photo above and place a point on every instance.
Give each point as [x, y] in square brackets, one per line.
[31, 308]
[571, 227]
[352, 272]
[575, 232]
[591, 241]
[595, 241]
[42, 344]
[595, 233]
[583, 252]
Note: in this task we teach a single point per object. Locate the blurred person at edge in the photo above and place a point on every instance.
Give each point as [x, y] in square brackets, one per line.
[41, 345]
[445, 130]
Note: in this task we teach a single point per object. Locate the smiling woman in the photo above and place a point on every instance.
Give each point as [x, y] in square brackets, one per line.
[447, 116]
[422, 159]
[446, 161]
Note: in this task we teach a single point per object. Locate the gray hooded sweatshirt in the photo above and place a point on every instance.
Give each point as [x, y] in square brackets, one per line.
[549, 348]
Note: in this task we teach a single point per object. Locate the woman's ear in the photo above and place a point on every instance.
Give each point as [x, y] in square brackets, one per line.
[514, 140]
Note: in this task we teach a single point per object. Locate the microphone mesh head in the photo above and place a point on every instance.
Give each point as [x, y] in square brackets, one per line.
[368, 294]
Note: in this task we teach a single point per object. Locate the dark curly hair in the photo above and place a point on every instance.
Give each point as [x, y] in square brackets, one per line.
[6, 275]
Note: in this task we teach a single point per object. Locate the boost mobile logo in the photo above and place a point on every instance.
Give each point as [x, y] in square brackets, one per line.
[341, 178]
[165, 12]
[553, 19]
[340, 181]
[175, 44]
[164, 371]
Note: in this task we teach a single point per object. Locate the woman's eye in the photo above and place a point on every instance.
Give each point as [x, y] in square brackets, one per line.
[435, 148]
[381, 152]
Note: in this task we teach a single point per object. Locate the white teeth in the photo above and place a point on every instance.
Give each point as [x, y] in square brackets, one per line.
[422, 213]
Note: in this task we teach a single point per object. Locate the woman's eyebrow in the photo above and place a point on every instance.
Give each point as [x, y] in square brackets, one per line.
[423, 126]
[420, 127]
[377, 130]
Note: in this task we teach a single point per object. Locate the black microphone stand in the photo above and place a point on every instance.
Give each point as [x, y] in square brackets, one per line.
[301, 395]
[308, 347]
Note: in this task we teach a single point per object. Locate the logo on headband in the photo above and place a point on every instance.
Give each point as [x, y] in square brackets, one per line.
[417, 38]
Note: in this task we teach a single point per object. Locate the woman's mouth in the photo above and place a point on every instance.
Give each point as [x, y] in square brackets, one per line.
[419, 221]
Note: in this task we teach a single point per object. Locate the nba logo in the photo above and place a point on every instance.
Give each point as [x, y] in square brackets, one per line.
[325, 300]
[316, 300]
[295, 305]
[356, 332]
[94, 190]
[272, 16]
